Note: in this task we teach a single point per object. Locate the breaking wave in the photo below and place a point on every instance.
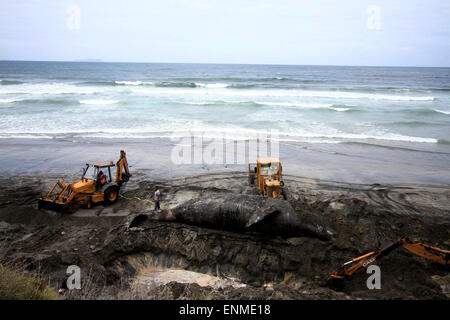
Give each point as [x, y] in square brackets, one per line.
[9, 100]
[442, 111]
[219, 133]
[98, 101]
[282, 93]
[299, 105]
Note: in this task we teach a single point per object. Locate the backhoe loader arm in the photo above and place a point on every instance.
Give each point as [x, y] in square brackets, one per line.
[424, 250]
[122, 171]
[421, 249]
[58, 183]
[355, 265]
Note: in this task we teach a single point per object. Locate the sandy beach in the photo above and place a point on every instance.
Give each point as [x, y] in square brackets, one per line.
[341, 162]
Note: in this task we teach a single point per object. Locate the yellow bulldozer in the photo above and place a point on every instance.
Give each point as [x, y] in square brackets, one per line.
[266, 175]
[95, 186]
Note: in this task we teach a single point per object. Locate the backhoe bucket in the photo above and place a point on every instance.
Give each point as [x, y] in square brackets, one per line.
[51, 205]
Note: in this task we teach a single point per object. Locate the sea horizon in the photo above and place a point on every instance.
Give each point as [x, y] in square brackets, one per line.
[94, 60]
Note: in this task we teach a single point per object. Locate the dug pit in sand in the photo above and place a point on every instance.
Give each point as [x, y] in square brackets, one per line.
[240, 213]
[163, 277]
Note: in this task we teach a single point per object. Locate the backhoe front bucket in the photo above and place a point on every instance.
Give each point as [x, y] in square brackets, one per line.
[51, 205]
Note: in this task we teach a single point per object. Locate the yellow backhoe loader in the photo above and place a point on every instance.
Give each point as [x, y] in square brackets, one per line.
[95, 186]
[266, 174]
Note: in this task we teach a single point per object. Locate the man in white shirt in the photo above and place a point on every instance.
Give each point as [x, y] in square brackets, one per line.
[156, 198]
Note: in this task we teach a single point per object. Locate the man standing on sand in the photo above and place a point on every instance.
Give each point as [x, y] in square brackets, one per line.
[156, 198]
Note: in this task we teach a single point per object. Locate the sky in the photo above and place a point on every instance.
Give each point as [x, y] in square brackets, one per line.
[303, 32]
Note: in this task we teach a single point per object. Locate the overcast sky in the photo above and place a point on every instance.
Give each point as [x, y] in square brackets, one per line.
[324, 32]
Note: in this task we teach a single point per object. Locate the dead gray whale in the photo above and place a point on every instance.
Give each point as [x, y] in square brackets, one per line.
[252, 213]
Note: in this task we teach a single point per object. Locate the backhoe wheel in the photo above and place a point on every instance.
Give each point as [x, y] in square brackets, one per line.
[111, 194]
[87, 204]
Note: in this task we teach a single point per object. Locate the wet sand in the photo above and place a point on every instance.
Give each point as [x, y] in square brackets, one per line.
[343, 162]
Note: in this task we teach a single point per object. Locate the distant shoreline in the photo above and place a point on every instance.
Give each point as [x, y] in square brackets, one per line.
[87, 60]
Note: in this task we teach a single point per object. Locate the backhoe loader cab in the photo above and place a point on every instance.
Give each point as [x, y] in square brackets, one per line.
[266, 175]
[92, 170]
[88, 190]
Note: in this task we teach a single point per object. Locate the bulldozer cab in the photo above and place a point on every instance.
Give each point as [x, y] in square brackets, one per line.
[266, 174]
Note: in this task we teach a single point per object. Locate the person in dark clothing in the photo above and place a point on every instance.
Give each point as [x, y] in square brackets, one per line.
[156, 198]
[101, 179]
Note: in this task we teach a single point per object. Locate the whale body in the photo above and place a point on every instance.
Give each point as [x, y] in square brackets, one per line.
[252, 213]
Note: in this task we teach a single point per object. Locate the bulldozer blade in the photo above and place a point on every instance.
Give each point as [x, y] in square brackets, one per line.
[50, 205]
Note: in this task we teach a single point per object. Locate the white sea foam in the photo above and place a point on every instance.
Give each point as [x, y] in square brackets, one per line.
[299, 104]
[98, 101]
[9, 100]
[209, 132]
[25, 136]
[281, 104]
[211, 89]
[442, 111]
[50, 88]
[212, 85]
[198, 103]
[281, 93]
[129, 83]
[350, 136]
[341, 109]
[235, 101]
[388, 137]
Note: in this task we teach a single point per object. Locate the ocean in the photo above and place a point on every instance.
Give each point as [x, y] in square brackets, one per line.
[319, 104]
[345, 123]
